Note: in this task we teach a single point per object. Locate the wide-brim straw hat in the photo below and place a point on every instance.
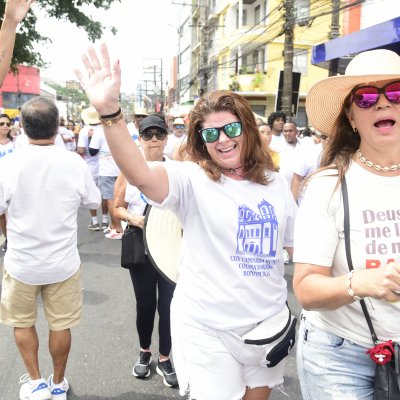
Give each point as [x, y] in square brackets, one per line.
[325, 98]
[162, 239]
[90, 116]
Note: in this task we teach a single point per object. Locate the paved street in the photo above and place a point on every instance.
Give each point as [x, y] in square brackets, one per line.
[105, 344]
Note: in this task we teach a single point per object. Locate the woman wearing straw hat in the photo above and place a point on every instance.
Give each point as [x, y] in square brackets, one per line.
[360, 113]
[152, 290]
[237, 214]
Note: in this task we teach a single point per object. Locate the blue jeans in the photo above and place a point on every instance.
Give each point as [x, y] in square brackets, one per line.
[332, 368]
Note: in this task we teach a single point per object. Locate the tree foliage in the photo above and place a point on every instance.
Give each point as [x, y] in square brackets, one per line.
[77, 96]
[65, 10]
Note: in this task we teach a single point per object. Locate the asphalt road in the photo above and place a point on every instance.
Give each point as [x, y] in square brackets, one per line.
[105, 344]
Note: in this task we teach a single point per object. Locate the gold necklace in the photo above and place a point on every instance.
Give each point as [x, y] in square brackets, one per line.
[376, 167]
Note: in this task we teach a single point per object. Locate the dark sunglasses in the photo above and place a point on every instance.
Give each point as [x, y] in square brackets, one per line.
[5, 123]
[211, 135]
[320, 136]
[368, 96]
[148, 135]
[179, 126]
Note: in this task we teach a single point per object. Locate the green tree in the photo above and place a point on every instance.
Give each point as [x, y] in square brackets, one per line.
[66, 10]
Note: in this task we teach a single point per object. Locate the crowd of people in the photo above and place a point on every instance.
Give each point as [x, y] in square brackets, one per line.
[250, 195]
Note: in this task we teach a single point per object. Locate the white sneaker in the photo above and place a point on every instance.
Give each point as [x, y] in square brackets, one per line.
[59, 390]
[33, 390]
[113, 234]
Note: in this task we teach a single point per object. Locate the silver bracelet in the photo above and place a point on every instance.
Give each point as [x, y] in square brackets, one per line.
[349, 289]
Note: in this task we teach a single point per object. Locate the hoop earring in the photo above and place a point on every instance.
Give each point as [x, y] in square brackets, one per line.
[355, 130]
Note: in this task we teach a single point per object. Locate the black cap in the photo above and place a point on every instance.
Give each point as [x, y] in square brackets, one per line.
[152, 121]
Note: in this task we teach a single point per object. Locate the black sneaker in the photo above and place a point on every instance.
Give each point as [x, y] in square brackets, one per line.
[4, 248]
[166, 370]
[142, 367]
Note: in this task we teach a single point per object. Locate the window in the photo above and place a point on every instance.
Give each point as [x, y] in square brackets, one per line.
[257, 14]
[15, 100]
[300, 61]
[302, 10]
[244, 17]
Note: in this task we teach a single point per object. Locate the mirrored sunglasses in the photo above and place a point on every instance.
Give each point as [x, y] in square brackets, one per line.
[148, 135]
[5, 123]
[368, 96]
[232, 130]
[179, 126]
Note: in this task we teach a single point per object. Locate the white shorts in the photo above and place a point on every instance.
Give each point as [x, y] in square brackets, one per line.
[207, 370]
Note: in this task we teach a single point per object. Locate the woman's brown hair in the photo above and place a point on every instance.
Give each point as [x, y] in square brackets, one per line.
[342, 144]
[255, 158]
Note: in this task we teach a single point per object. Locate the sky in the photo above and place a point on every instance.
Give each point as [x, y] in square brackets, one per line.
[146, 29]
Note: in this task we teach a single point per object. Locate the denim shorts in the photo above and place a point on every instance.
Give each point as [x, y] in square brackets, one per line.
[332, 368]
[106, 186]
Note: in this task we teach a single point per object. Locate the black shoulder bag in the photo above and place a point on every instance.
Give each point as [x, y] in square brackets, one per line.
[132, 246]
[387, 373]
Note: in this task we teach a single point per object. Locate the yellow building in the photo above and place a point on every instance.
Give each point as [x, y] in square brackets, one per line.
[246, 51]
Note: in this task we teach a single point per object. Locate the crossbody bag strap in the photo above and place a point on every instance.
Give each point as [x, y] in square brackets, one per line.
[348, 254]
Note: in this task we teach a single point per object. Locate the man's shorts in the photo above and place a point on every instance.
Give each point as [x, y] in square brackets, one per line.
[62, 302]
[106, 186]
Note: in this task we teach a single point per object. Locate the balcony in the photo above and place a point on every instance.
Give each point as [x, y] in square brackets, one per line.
[248, 82]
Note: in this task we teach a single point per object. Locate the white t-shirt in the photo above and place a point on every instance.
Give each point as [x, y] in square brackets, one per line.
[136, 200]
[7, 148]
[375, 240]
[83, 141]
[107, 165]
[41, 189]
[133, 131]
[22, 141]
[277, 142]
[231, 269]
[307, 159]
[287, 158]
[67, 134]
[172, 143]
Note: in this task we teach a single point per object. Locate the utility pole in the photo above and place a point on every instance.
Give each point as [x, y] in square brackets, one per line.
[288, 59]
[205, 68]
[157, 72]
[334, 64]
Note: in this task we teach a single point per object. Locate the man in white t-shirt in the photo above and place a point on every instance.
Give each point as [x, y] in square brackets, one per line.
[307, 161]
[41, 189]
[91, 119]
[133, 126]
[175, 139]
[276, 120]
[289, 150]
[108, 173]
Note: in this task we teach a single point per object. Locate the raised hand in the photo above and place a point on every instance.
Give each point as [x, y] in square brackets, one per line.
[101, 83]
[17, 9]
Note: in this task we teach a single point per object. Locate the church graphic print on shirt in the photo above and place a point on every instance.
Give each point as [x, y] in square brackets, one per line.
[257, 232]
